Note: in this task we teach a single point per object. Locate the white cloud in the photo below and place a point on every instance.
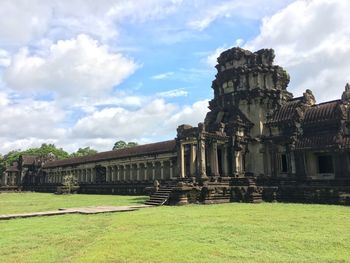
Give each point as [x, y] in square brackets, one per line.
[211, 59]
[209, 11]
[22, 20]
[75, 67]
[311, 40]
[143, 10]
[162, 75]
[156, 119]
[5, 58]
[26, 123]
[191, 115]
[173, 93]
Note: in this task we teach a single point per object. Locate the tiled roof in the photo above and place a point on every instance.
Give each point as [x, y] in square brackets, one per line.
[286, 113]
[153, 148]
[324, 112]
[318, 141]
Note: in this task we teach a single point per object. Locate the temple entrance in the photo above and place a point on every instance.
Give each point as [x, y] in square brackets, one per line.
[187, 160]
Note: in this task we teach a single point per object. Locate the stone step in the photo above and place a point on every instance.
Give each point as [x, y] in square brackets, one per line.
[153, 203]
[160, 199]
[164, 190]
[164, 193]
[161, 194]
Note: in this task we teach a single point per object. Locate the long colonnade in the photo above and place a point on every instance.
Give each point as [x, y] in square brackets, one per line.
[160, 169]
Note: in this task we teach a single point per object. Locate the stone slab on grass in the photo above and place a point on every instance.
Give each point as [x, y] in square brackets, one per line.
[78, 210]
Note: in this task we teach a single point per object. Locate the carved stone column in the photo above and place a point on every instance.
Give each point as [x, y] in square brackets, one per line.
[214, 159]
[153, 170]
[145, 175]
[224, 159]
[161, 170]
[138, 172]
[112, 173]
[201, 159]
[93, 175]
[124, 173]
[193, 153]
[171, 167]
[5, 178]
[181, 161]
[117, 167]
[292, 162]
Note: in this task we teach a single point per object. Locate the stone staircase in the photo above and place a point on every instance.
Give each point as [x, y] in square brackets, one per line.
[160, 197]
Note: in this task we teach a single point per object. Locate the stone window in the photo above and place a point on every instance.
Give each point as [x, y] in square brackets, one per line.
[325, 164]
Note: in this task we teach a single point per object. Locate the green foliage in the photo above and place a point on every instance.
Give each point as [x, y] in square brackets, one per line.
[83, 152]
[44, 149]
[122, 144]
[8, 159]
[196, 233]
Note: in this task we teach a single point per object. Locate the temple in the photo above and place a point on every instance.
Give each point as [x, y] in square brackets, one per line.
[256, 143]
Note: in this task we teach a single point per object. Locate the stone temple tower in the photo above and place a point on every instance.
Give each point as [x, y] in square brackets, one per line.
[247, 88]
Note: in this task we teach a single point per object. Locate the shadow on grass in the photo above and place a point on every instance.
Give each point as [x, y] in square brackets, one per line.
[139, 200]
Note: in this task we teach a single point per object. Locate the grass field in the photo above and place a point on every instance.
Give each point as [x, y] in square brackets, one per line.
[195, 233]
[11, 203]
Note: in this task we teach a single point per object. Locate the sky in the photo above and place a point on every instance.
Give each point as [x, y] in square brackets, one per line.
[84, 73]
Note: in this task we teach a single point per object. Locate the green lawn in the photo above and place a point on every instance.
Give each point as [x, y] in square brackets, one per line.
[11, 203]
[194, 233]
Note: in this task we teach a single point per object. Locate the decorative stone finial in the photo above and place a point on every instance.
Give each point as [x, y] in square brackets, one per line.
[346, 94]
[309, 97]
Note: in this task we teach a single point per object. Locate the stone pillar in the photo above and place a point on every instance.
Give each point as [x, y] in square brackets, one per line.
[138, 172]
[292, 162]
[153, 170]
[162, 170]
[93, 175]
[171, 172]
[124, 173]
[145, 171]
[117, 171]
[181, 161]
[201, 163]
[224, 159]
[193, 156]
[214, 159]
[5, 178]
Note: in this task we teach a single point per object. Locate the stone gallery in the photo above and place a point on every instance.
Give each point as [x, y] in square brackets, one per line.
[256, 143]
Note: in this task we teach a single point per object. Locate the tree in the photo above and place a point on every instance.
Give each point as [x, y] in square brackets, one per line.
[46, 149]
[83, 152]
[122, 144]
[132, 144]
